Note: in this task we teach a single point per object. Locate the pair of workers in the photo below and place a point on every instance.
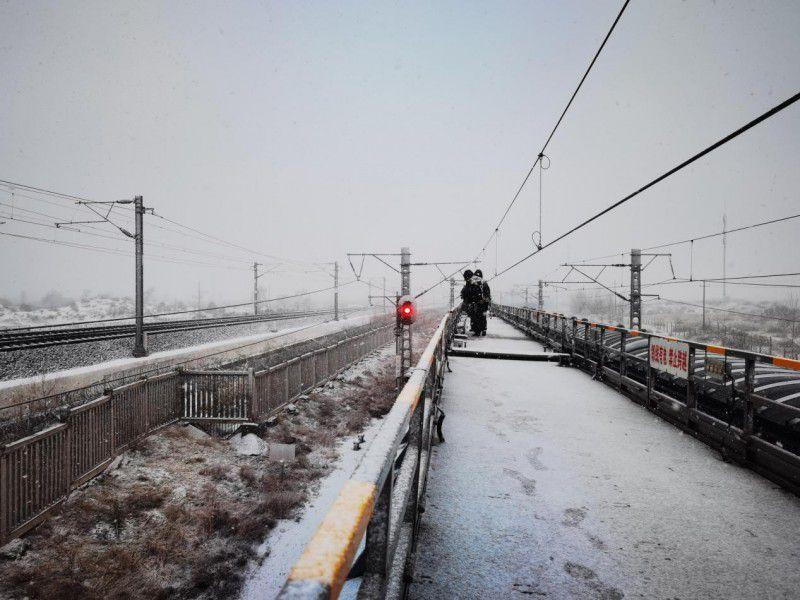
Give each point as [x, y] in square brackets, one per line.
[476, 297]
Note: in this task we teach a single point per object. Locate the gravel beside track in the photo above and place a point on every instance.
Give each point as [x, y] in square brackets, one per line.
[27, 363]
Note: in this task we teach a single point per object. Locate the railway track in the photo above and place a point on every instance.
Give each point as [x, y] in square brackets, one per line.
[59, 336]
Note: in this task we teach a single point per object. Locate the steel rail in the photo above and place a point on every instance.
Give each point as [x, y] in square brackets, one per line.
[77, 335]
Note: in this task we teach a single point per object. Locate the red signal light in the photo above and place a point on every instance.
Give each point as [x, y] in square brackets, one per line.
[406, 311]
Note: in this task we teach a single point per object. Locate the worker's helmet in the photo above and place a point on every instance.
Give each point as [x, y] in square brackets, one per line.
[479, 273]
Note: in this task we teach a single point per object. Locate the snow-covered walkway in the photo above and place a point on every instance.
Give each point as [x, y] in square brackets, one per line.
[553, 485]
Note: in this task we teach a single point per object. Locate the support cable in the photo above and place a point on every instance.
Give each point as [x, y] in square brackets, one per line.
[731, 136]
[701, 237]
[735, 312]
[180, 312]
[552, 133]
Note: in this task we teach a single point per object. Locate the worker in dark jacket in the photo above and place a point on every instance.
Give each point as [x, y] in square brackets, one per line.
[470, 296]
[483, 299]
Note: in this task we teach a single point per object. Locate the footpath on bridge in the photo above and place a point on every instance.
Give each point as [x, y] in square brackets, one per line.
[553, 485]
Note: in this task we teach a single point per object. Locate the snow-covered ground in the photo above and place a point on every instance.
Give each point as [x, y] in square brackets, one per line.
[551, 484]
[286, 542]
[87, 309]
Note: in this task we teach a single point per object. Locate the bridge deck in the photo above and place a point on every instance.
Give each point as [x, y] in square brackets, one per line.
[551, 484]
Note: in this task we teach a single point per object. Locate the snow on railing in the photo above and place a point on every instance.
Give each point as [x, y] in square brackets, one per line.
[382, 498]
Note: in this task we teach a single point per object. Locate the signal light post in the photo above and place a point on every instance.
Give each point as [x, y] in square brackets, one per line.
[405, 306]
[540, 299]
[636, 289]
[404, 320]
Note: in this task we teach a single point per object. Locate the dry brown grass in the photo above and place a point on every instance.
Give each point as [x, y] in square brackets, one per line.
[129, 536]
[248, 475]
[215, 472]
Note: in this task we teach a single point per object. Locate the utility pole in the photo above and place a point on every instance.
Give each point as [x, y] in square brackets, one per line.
[636, 289]
[724, 255]
[384, 294]
[336, 291]
[403, 331]
[704, 304]
[541, 295]
[138, 345]
[452, 292]
[255, 288]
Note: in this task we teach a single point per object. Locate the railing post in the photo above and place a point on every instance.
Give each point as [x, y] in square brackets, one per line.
[649, 375]
[691, 389]
[623, 359]
[601, 359]
[574, 335]
[376, 558]
[251, 394]
[66, 462]
[547, 332]
[415, 443]
[144, 390]
[4, 492]
[748, 425]
[585, 343]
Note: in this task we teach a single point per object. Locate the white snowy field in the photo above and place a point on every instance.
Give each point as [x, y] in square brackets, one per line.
[551, 484]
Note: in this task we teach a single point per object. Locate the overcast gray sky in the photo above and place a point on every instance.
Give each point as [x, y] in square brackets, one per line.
[310, 129]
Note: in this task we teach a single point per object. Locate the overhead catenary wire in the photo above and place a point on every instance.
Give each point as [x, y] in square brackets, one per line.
[721, 142]
[539, 156]
[101, 233]
[555, 128]
[233, 245]
[733, 280]
[727, 310]
[700, 237]
[725, 232]
[207, 237]
[119, 252]
[25, 186]
[182, 312]
[77, 230]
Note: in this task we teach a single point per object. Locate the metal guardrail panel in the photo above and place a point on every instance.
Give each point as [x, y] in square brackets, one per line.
[723, 408]
[36, 472]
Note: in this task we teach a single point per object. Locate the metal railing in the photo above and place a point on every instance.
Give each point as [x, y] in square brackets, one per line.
[381, 501]
[712, 395]
[37, 472]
